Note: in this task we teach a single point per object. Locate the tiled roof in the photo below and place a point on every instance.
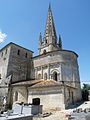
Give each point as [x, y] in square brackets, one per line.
[43, 83]
[37, 83]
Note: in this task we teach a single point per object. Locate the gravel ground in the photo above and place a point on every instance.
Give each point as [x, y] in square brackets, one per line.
[85, 115]
[61, 115]
[58, 115]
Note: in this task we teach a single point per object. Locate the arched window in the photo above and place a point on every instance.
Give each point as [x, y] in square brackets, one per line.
[45, 76]
[39, 76]
[16, 96]
[55, 76]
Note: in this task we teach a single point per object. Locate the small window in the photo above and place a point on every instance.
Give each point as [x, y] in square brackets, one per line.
[0, 76]
[6, 51]
[26, 55]
[45, 76]
[2, 54]
[18, 52]
[44, 52]
[46, 41]
[69, 93]
[16, 96]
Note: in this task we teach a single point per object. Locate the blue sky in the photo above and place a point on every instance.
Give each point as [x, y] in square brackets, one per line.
[23, 20]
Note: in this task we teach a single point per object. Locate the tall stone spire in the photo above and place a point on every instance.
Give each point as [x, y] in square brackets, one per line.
[50, 28]
[49, 42]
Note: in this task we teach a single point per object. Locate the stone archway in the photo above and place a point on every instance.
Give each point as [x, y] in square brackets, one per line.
[55, 75]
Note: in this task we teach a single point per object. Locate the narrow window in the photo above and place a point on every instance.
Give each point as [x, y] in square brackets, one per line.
[46, 41]
[0, 76]
[45, 76]
[16, 96]
[72, 97]
[44, 52]
[69, 92]
[18, 53]
[55, 76]
[2, 54]
[26, 55]
[6, 51]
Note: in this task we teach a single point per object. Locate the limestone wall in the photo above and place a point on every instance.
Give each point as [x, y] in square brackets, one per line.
[50, 97]
[4, 59]
[19, 63]
[19, 94]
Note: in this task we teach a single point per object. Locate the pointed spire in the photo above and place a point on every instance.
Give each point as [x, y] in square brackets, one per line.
[40, 39]
[49, 7]
[60, 42]
[50, 28]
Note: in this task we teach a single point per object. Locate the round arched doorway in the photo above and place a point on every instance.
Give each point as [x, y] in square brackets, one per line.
[55, 76]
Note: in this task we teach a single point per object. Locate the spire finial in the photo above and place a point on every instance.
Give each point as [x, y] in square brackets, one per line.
[60, 42]
[49, 6]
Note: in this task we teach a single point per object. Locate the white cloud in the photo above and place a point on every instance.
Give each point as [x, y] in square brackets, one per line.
[2, 37]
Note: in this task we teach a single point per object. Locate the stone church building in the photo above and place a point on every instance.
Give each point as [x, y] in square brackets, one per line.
[52, 75]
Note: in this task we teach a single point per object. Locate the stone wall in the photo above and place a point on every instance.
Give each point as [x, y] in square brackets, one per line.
[20, 93]
[15, 60]
[50, 97]
[19, 63]
[4, 59]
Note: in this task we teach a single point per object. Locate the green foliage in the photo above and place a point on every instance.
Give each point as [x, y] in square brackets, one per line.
[85, 92]
[86, 87]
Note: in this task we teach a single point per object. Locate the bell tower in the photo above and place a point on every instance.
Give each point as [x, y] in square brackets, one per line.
[49, 42]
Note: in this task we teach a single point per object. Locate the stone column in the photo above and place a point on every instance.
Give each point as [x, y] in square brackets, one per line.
[42, 72]
[36, 73]
[60, 72]
[48, 71]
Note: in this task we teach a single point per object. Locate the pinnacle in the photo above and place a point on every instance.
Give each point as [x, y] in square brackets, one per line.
[60, 42]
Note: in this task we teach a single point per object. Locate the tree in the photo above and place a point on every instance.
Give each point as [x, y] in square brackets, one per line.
[85, 93]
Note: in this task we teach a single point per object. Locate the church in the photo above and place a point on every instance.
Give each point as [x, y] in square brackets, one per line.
[52, 76]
